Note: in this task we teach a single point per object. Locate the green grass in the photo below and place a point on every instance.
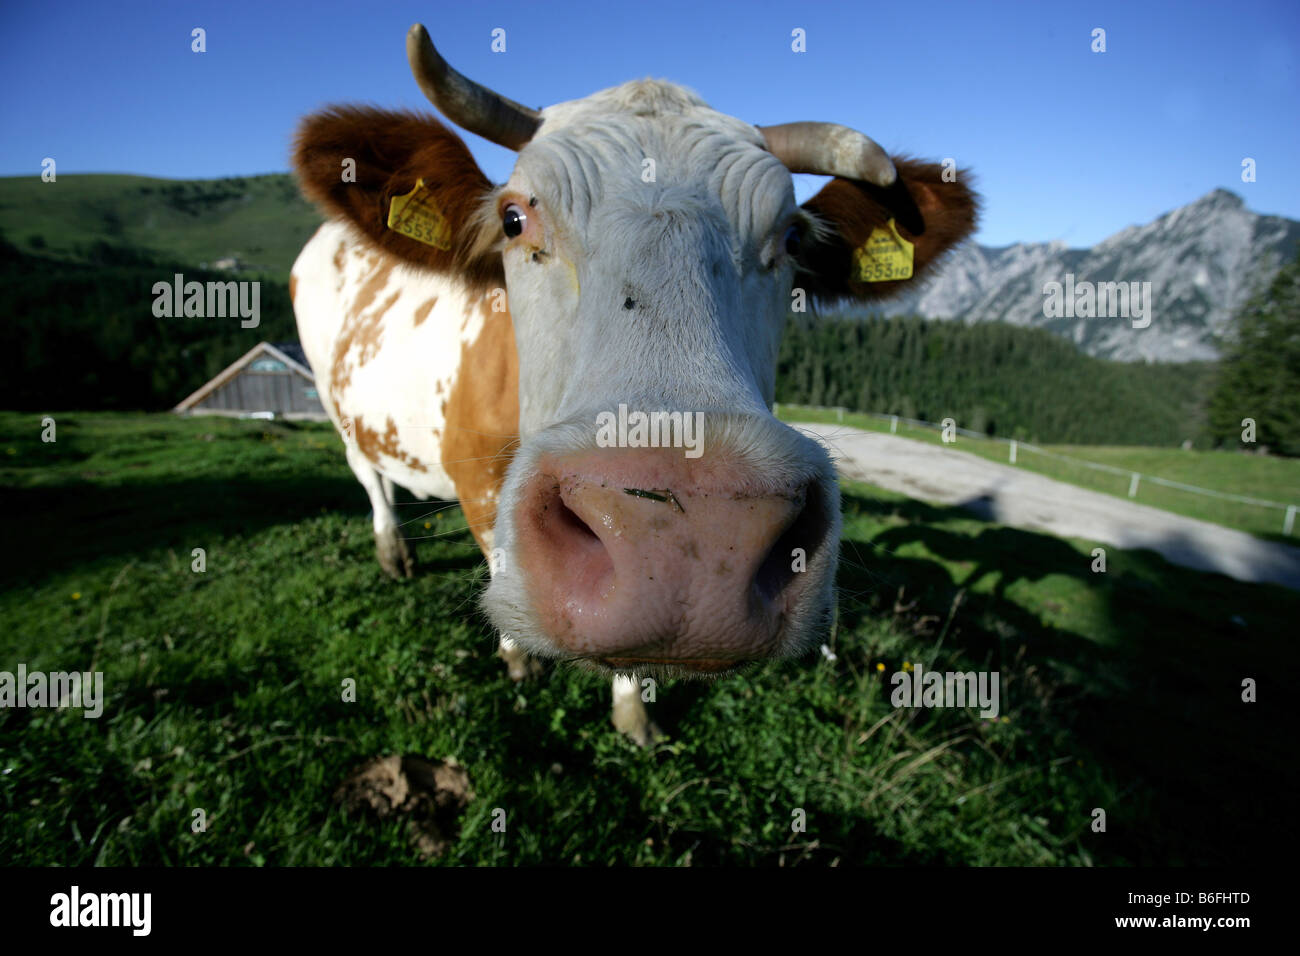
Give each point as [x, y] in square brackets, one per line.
[1266, 477]
[260, 219]
[1120, 691]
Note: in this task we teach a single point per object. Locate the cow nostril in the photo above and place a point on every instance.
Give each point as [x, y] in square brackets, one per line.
[565, 544]
[567, 519]
[806, 534]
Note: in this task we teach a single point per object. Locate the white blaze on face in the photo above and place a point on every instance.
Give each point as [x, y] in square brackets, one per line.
[667, 295]
[658, 294]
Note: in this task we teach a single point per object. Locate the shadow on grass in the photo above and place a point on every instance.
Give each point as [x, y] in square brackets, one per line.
[1153, 692]
[56, 528]
[851, 836]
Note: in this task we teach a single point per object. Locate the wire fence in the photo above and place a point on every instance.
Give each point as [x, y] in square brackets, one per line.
[1015, 447]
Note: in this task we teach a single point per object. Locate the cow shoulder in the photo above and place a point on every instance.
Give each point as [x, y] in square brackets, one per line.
[481, 414]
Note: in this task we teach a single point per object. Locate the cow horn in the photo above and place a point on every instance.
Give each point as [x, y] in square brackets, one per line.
[829, 149]
[464, 102]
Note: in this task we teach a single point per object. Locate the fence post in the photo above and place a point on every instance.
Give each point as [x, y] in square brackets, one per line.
[839, 414]
[1013, 451]
[893, 425]
[1133, 485]
[776, 409]
[1289, 522]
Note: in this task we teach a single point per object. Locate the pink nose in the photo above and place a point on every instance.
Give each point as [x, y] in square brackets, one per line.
[642, 556]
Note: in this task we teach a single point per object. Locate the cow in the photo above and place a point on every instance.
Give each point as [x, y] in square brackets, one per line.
[585, 356]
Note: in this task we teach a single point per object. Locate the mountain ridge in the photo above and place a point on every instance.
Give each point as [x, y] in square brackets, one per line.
[1203, 260]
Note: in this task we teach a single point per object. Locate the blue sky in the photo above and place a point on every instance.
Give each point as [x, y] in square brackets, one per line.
[1065, 143]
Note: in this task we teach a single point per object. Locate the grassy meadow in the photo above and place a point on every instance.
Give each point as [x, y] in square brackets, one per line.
[1266, 477]
[1120, 691]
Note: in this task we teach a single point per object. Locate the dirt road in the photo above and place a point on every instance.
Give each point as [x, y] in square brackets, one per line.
[1022, 499]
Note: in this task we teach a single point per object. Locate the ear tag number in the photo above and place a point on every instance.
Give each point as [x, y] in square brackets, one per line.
[884, 257]
[418, 217]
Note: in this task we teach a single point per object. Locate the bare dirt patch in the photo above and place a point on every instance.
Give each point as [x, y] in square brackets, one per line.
[431, 794]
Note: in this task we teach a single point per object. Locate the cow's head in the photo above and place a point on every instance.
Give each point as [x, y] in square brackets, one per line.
[651, 248]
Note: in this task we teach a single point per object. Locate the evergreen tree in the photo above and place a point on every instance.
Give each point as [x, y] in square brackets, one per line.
[991, 377]
[1259, 376]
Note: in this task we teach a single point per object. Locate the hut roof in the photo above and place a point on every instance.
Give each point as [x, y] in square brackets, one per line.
[297, 365]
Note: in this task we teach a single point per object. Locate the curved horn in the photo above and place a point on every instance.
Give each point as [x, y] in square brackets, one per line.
[829, 149]
[464, 102]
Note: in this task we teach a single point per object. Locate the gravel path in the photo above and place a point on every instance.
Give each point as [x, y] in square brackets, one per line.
[1022, 499]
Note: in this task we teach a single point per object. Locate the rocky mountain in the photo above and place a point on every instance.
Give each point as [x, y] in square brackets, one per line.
[1203, 261]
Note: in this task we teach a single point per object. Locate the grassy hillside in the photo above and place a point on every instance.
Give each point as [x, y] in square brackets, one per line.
[1120, 691]
[84, 333]
[262, 220]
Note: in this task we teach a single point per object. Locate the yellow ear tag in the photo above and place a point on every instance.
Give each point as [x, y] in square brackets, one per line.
[418, 217]
[884, 257]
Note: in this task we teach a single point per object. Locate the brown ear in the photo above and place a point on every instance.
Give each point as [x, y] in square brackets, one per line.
[392, 152]
[931, 214]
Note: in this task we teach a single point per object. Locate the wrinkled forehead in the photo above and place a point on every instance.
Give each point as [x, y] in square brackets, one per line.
[639, 144]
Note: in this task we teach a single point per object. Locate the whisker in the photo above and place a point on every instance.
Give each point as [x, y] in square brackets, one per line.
[459, 461]
[461, 428]
[427, 514]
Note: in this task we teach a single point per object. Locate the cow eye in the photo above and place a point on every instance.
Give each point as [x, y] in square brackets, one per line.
[792, 241]
[513, 220]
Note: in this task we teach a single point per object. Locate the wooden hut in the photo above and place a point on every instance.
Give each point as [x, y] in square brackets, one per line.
[268, 381]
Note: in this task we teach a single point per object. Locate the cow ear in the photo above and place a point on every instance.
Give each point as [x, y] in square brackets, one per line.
[356, 162]
[866, 230]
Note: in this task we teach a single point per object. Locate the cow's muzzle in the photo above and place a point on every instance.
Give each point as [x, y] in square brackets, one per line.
[645, 560]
